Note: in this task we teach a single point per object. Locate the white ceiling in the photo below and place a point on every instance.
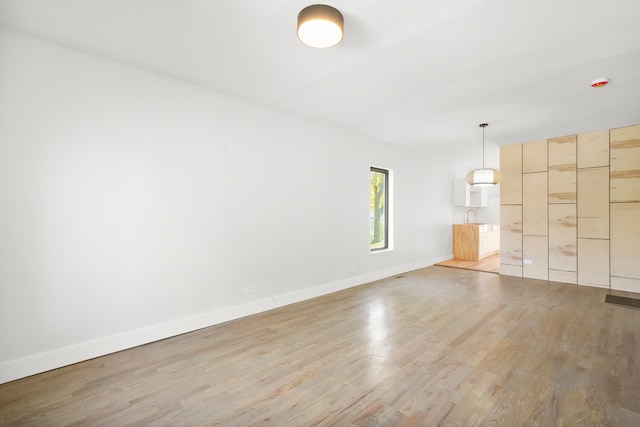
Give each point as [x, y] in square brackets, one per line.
[412, 72]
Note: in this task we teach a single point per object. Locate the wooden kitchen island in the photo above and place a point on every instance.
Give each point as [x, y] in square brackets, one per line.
[472, 242]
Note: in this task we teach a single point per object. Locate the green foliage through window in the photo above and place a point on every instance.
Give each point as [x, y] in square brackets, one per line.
[378, 210]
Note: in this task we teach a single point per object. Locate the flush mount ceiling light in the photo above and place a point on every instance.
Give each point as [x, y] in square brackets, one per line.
[484, 177]
[320, 26]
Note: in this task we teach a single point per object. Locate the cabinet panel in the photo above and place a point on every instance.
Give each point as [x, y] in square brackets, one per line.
[563, 240]
[593, 149]
[593, 203]
[466, 242]
[534, 204]
[511, 234]
[562, 169]
[593, 262]
[489, 241]
[625, 240]
[535, 254]
[625, 164]
[625, 284]
[563, 276]
[534, 156]
[511, 270]
[511, 169]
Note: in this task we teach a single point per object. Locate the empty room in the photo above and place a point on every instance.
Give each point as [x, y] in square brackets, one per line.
[244, 213]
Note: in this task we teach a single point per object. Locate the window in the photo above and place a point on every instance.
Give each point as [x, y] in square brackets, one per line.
[378, 209]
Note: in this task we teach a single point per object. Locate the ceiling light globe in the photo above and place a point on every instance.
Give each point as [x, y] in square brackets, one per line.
[320, 26]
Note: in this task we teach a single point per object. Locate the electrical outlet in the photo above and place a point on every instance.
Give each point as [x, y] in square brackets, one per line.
[528, 262]
[249, 289]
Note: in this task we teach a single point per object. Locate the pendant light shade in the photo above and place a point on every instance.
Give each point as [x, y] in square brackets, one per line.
[320, 26]
[485, 176]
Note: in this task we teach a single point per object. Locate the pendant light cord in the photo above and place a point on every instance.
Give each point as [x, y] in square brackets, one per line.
[482, 147]
[483, 125]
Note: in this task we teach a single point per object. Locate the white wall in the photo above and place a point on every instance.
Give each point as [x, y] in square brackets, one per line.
[135, 207]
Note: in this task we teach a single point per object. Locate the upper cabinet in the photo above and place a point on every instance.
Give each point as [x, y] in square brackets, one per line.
[468, 195]
[511, 168]
[562, 169]
[534, 156]
[625, 164]
[593, 149]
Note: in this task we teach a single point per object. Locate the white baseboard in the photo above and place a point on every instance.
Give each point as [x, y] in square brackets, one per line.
[42, 362]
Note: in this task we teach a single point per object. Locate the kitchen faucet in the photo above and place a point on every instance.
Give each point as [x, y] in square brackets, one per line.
[475, 215]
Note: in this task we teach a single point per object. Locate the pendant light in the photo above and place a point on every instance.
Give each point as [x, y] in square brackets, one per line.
[484, 177]
[320, 26]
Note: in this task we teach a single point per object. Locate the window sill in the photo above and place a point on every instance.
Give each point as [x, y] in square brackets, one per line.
[378, 251]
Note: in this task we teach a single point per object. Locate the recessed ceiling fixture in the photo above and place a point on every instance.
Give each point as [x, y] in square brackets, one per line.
[320, 26]
[600, 82]
[484, 177]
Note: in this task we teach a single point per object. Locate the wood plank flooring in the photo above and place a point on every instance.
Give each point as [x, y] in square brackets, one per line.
[490, 264]
[434, 347]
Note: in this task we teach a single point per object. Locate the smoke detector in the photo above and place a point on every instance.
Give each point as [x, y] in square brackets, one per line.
[600, 82]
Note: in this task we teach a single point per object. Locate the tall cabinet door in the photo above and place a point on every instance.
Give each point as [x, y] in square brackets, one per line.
[534, 204]
[563, 242]
[562, 169]
[593, 209]
[625, 246]
[511, 169]
[593, 203]
[511, 240]
[624, 194]
[511, 210]
[593, 262]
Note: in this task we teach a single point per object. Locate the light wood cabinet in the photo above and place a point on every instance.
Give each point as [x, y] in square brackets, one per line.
[534, 156]
[534, 204]
[573, 213]
[563, 240]
[563, 276]
[511, 169]
[593, 149]
[562, 169]
[625, 240]
[593, 203]
[511, 236]
[473, 242]
[624, 194]
[625, 164]
[511, 270]
[535, 253]
[593, 262]
[466, 242]
[625, 284]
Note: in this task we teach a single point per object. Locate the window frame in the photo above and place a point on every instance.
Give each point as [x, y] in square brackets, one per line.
[386, 208]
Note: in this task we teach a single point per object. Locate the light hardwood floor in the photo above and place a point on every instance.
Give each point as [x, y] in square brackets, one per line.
[490, 264]
[434, 347]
